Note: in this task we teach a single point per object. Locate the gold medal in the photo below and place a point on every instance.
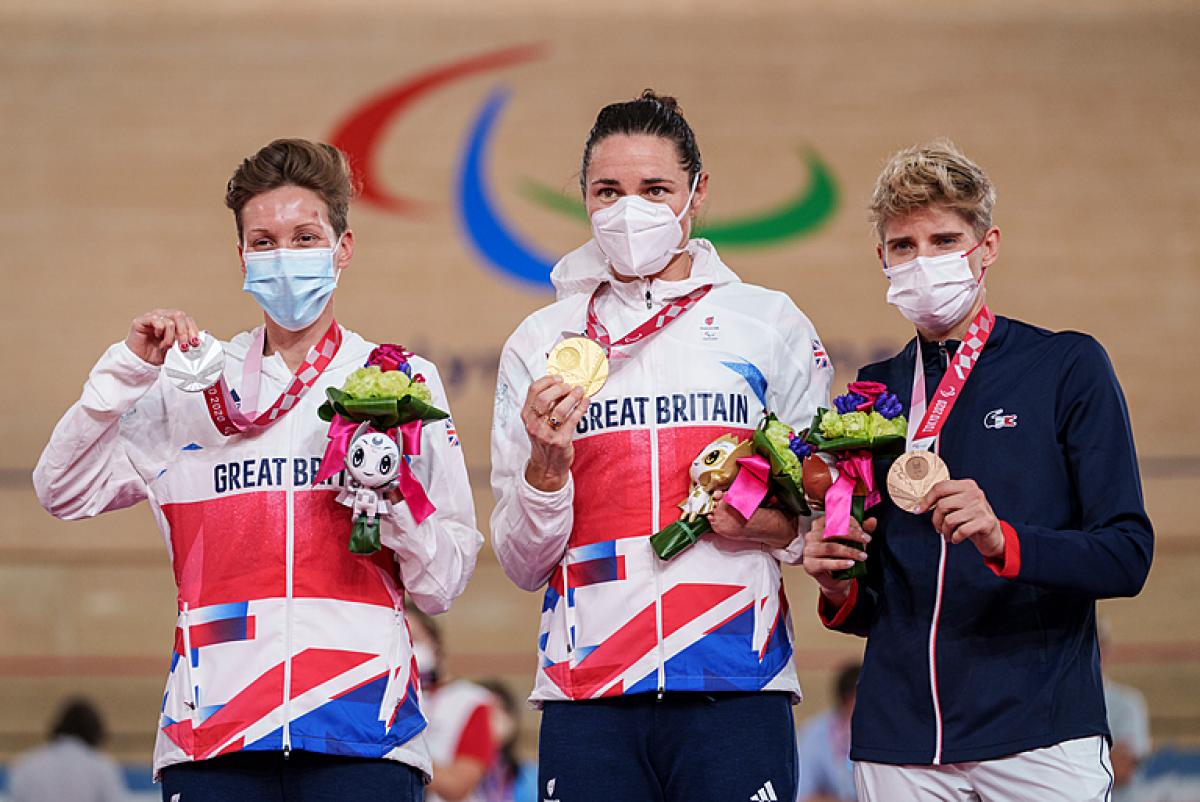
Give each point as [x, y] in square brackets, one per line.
[580, 362]
[913, 475]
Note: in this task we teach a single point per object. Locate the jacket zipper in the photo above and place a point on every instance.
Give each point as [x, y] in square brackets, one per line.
[937, 613]
[290, 570]
[654, 526]
[389, 690]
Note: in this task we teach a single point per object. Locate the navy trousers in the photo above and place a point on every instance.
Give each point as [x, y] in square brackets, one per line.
[301, 777]
[693, 747]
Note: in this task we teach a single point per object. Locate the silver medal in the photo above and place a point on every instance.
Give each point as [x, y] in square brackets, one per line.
[198, 368]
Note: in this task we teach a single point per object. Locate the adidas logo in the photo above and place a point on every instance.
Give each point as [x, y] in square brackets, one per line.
[765, 794]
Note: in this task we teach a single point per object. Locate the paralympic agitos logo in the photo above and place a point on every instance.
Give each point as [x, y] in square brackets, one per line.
[496, 241]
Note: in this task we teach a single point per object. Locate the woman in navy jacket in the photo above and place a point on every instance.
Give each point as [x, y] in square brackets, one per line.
[982, 673]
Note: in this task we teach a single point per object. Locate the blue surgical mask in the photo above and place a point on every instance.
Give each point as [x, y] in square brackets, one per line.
[292, 285]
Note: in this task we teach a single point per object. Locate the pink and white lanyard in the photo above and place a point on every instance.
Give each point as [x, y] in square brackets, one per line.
[231, 420]
[925, 424]
[668, 314]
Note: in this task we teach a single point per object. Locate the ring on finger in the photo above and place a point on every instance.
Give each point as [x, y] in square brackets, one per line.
[554, 422]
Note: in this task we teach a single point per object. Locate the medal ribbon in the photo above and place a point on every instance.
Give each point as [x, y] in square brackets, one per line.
[925, 425]
[230, 420]
[668, 314]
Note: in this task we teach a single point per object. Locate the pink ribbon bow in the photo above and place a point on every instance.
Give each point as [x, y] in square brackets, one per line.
[342, 429]
[750, 487]
[853, 466]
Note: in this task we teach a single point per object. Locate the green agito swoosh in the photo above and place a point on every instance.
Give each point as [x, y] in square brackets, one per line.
[796, 217]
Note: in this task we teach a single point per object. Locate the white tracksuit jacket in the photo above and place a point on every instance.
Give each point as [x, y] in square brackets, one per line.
[615, 619]
[284, 640]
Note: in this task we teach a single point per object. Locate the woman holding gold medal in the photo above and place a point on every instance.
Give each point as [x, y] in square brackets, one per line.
[291, 674]
[658, 678]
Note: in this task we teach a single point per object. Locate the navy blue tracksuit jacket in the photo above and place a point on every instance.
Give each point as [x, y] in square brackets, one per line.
[1011, 663]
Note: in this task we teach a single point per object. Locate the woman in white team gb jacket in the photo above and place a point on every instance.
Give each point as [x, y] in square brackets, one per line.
[292, 663]
[655, 677]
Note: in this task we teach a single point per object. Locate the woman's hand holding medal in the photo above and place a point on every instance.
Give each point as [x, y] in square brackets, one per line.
[552, 410]
[554, 405]
[961, 512]
[920, 482]
[151, 335]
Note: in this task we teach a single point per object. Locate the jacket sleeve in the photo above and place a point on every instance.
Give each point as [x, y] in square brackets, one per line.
[530, 528]
[1110, 554]
[91, 464]
[437, 556]
[799, 385]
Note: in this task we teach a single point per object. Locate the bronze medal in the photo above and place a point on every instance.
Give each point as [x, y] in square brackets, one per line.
[913, 475]
[580, 362]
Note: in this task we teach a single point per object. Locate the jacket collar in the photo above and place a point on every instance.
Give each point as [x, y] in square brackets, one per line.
[354, 350]
[586, 268]
[931, 354]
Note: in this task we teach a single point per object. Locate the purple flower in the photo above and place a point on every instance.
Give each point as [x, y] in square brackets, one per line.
[850, 402]
[888, 405]
[800, 447]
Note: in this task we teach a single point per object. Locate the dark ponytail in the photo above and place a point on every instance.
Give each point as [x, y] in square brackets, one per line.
[648, 114]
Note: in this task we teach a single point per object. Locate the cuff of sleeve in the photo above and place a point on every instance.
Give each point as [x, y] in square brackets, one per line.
[832, 618]
[129, 363]
[401, 541]
[1010, 565]
[793, 553]
[118, 381]
[547, 501]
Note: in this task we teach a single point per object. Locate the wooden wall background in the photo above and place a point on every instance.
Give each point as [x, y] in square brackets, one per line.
[121, 122]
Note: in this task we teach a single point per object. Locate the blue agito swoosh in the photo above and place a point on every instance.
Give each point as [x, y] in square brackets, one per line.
[495, 241]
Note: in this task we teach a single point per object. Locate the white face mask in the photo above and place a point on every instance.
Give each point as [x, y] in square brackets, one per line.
[291, 285]
[640, 237]
[934, 292]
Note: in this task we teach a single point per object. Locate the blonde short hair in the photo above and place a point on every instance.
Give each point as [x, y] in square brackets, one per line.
[933, 174]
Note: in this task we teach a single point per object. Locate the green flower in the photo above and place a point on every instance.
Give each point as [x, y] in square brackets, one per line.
[779, 434]
[372, 382]
[879, 426]
[855, 424]
[832, 425]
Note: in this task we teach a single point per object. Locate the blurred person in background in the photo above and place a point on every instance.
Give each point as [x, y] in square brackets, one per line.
[508, 779]
[981, 675]
[71, 766]
[657, 678]
[290, 671]
[826, 773]
[1129, 722]
[459, 713]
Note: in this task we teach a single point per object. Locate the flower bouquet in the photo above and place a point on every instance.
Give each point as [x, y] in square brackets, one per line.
[384, 393]
[375, 421]
[784, 449]
[866, 422]
[750, 471]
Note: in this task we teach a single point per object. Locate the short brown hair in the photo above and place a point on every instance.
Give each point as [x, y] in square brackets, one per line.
[934, 174]
[295, 162]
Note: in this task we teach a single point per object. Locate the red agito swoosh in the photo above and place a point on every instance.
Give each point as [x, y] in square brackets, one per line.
[359, 134]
